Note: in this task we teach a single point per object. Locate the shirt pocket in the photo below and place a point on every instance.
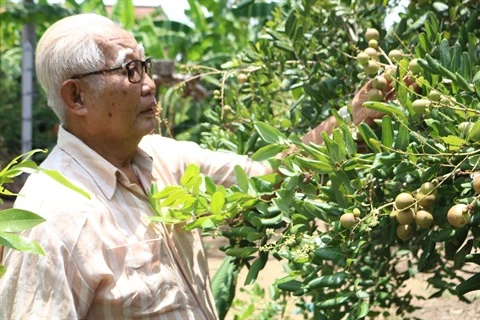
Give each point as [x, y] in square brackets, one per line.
[147, 280]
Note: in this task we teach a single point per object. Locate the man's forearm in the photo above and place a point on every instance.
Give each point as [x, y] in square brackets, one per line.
[315, 135]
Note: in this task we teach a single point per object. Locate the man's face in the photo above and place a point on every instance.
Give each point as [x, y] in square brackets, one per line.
[122, 110]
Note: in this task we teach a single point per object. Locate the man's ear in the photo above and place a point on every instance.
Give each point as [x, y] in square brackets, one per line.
[72, 95]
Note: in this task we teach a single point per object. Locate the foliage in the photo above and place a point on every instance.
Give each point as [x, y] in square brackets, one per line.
[44, 122]
[216, 32]
[301, 69]
[257, 306]
[15, 220]
[12, 17]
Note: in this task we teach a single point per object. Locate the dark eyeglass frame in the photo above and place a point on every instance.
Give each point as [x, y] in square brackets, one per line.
[146, 66]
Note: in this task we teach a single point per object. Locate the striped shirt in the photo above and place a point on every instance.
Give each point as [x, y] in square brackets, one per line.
[104, 259]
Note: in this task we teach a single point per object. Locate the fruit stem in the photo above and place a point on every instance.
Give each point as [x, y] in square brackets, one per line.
[472, 204]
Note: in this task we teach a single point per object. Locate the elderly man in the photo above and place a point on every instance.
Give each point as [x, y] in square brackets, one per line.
[104, 260]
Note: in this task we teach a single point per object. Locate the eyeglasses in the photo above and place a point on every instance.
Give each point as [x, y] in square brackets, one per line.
[134, 70]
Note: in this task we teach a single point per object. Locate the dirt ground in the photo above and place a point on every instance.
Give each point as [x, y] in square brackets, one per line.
[446, 307]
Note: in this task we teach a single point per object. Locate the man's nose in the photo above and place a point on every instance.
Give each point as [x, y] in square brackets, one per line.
[148, 85]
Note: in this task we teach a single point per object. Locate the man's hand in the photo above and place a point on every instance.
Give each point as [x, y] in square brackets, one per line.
[359, 112]
[362, 114]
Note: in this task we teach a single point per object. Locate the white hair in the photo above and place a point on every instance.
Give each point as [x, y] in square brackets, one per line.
[68, 48]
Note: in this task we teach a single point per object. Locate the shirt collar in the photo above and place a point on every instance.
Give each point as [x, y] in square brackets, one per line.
[101, 171]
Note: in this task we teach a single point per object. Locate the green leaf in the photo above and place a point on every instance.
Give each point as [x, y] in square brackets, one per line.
[462, 82]
[19, 243]
[168, 191]
[387, 132]
[2, 270]
[387, 108]
[456, 61]
[424, 45]
[474, 258]
[362, 309]
[369, 137]
[124, 11]
[223, 285]
[96, 6]
[350, 144]
[190, 177]
[282, 204]
[204, 223]
[476, 78]
[197, 15]
[331, 253]
[432, 63]
[403, 138]
[27, 166]
[57, 176]
[16, 160]
[341, 178]
[334, 302]
[471, 284]
[255, 268]
[16, 220]
[244, 232]
[453, 141]
[402, 90]
[319, 166]
[474, 132]
[466, 71]
[242, 179]
[291, 25]
[210, 185]
[440, 6]
[431, 34]
[268, 133]
[181, 198]
[433, 22]
[340, 144]
[460, 256]
[6, 192]
[241, 252]
[332, 281]
[444, 49]
[267, 152]
[218, 200]
[289, 284]
[257, 9]
[272, 220]
[317, 152]
[334, 152]
[428, 247]
[243, 4]
[452, 76]
[427, 67]
[284, 46]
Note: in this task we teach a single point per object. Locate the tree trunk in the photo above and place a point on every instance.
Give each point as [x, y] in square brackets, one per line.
[28, 47]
